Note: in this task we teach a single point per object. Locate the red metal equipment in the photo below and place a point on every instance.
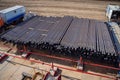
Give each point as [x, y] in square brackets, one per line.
[72, 60]
[53, 74]
[1, 22]
[2, 56]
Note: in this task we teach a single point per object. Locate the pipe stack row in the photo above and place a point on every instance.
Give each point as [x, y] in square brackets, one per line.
[70, 36]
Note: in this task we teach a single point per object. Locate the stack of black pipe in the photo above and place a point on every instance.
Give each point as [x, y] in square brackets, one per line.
[67, 35]
[89, 39]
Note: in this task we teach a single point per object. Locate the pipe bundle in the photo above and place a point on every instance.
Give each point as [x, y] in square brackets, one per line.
[67, 35]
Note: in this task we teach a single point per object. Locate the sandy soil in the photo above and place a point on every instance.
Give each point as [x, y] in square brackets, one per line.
[93, 9]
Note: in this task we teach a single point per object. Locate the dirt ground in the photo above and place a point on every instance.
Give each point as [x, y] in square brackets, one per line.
[93, 9]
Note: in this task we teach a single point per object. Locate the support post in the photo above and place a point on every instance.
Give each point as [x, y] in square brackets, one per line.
[25, 53]
[24, 48]
[52, 65]
[80, 64]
